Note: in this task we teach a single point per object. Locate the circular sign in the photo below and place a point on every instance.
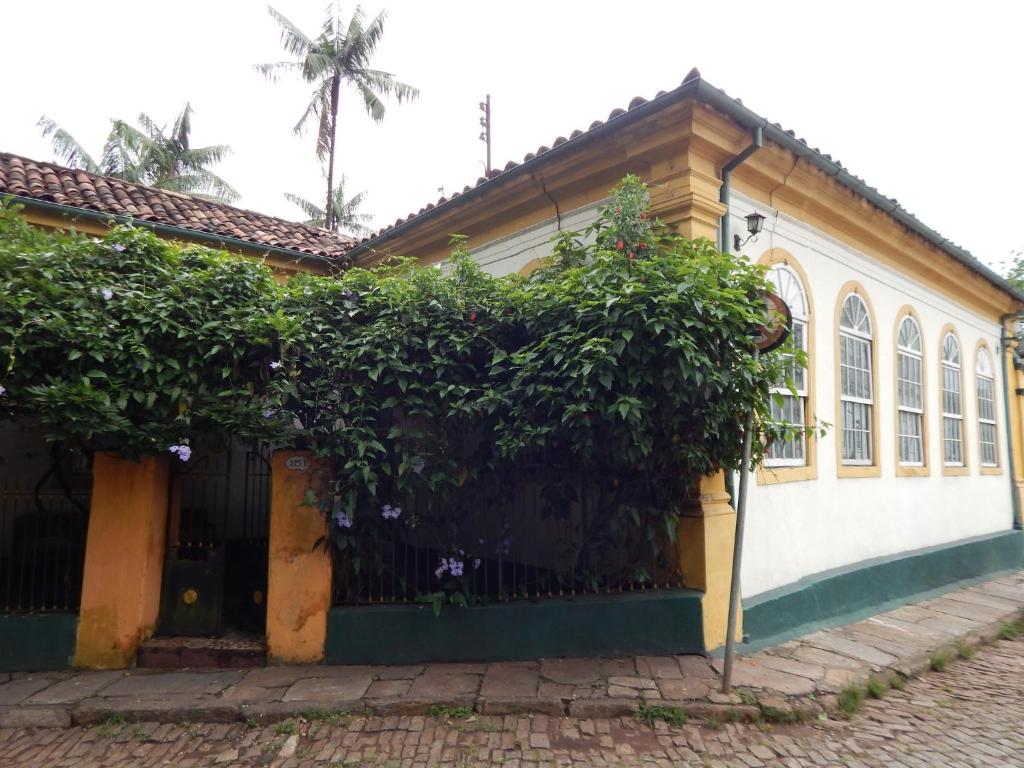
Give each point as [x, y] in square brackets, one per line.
[189, 596]
[778, 322]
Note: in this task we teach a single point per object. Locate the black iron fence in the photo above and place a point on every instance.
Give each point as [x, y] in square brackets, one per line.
[44, 512]
[524, 548]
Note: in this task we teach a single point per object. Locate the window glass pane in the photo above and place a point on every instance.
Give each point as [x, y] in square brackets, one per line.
[989, 456]
[952, 441]
[911, 449]
[856, 432]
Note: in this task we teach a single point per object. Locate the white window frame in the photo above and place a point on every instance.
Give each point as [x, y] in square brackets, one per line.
[793, 292]
[985, 372]
[954, 366]
[863, 334]
[916, 355]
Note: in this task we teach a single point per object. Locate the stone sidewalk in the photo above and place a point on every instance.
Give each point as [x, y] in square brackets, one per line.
[803, 676]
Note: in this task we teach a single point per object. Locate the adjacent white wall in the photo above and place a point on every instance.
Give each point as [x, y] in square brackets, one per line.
[801, 528]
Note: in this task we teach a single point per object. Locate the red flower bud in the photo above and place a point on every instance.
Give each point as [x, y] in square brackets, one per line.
[619, 245]
[632, 256]
[643, 216]
[472, 317]
[618, 210]
[641, 245]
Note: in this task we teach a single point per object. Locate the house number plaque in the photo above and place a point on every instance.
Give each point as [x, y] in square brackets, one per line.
[297, 463]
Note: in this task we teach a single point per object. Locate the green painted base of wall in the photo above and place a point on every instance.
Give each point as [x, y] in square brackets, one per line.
[873, 586]
[654, 623]
[37, 642]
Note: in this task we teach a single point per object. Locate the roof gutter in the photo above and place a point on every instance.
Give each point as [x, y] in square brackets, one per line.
[701, 90]
[167, 229]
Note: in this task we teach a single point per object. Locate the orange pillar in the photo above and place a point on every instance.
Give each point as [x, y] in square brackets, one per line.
[299, 577]
[704, 546]
[124, 556]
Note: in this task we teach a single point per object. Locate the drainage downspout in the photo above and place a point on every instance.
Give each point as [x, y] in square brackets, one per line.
[724, 235]
[1018, 522]
[723, 193]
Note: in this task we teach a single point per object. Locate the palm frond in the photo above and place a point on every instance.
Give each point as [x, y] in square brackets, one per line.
[385, 84]
[374, 106]
[203, 184]
[183, 127]
[314, 213]
[293, 39]
[66, 147]
[270, 71]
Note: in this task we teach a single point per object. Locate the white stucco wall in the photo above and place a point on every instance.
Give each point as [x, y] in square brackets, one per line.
[510, 254]
[801, 528]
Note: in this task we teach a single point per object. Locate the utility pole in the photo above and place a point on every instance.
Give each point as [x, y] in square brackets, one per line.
[485, 134]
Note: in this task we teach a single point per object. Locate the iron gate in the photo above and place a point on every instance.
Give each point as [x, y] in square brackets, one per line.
[44, 513]
[215, 568]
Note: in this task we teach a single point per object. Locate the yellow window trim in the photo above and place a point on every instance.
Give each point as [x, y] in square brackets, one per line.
[955, 470]
[809, 471]
[856, 470]
[998, 468]
[901, 469]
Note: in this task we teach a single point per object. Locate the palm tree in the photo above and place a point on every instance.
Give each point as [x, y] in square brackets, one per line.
[148, 155]
[340, 54]
[345, 217]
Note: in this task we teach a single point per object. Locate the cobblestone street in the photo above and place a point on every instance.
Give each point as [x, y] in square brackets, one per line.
[967, 715]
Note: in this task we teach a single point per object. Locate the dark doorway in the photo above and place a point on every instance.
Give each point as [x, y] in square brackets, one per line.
[215, 568]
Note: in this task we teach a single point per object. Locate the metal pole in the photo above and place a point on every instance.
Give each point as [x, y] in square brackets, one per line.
[737, 553]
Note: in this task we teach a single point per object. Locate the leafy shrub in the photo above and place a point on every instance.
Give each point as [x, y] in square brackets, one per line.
[616, 375]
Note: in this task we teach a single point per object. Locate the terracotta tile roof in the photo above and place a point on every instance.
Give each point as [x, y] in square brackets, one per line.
[694, 87]
[52, 183]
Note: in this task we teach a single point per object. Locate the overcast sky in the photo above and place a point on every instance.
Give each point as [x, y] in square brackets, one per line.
[923, 100]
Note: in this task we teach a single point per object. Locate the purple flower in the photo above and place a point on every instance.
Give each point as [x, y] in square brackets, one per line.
[442, 568]
[269, 413]
[391, 513]
[275, 364]
[3, 390]
[118, 247]
[455, 567]
[418, 464]
[183, 452]
[107, 294]
[476, 563]
[342, 520]
[348, 295]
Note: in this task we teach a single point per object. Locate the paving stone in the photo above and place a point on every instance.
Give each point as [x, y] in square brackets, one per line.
[21, 688]
[384, 689]
[35, 717]
[278, 677]
[243, 693]
[790, 666]
[173, 683]
[511, 680]
[696, 666]
[338, 688]
[748, 673]
[659, 667]
[850, 648]
[432, 685]
[683, 688]
[399, 673]
[571, 671]
[639, 683]
[74, 689]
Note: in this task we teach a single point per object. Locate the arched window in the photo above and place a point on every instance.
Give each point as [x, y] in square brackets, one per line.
[952, 404]
[910, 393]
[787, 407]
[985, 384]
[856, 392]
